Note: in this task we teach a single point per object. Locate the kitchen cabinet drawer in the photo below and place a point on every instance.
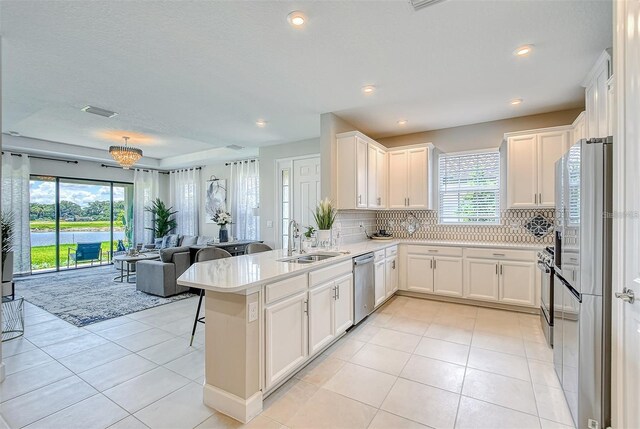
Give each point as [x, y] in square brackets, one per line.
[434, 250]
[325, 274]
[391, 251]
[379, 255]
[284, 288]
[501, 254]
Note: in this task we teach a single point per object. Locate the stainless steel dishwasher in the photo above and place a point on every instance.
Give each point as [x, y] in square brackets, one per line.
[364, 294]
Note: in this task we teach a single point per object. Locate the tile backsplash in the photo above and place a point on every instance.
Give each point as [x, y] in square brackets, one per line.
[521, 226]
[348, 224]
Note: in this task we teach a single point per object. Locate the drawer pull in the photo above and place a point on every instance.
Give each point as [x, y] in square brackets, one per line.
[499, 254]
[433, 251]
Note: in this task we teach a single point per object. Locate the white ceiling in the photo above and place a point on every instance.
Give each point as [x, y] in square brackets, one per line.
[196, 75]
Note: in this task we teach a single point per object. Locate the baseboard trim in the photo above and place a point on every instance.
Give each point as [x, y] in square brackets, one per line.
[233, 406]
[468, 301]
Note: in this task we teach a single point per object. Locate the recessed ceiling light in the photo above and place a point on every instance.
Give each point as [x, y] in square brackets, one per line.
[516, 101]
[261, 123]
[402, 122]
[523, 51]
[14, 133]
[368, 89]
[296, 18]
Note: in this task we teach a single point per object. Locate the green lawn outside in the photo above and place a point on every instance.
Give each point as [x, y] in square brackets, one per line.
[44, 257]
[96, 225]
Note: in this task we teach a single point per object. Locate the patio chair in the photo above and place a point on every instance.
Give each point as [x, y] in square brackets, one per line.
[85, 252]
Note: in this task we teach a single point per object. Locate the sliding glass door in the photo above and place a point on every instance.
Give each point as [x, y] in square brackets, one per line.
[77, 223]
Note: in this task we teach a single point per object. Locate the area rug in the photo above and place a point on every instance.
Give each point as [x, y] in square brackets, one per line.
[87, 295]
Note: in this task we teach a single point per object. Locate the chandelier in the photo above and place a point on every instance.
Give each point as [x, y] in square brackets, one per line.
[125, 155]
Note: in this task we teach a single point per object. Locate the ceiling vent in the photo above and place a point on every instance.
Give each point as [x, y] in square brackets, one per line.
[421, 4]
[234, 147]
[98, 111]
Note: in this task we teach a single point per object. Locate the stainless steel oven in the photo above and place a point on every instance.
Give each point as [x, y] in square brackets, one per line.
[545, 265]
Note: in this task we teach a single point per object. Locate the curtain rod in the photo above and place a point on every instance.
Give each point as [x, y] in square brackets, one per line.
[68, 161]
[141, 169]
[239, 162]
[186, 169]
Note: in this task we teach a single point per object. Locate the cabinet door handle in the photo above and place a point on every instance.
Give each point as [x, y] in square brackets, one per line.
[431, 263]
[500, 269]
[535, 198]
[540, 198]
[359, 199]
[409, 201]
[379, 201]
[335, 295]
[306, 306]
[393, 265]
[434, 264]
[496, 268]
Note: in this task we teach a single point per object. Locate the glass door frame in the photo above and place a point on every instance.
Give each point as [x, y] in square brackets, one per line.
[57, 180]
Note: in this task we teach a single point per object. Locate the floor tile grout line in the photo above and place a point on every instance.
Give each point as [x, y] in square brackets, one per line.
[464, 378]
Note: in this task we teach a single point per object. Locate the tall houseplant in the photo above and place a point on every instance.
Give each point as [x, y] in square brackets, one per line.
[163, 223]
[7, 228]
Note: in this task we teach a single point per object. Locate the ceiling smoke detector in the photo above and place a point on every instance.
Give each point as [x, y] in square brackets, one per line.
[421, 4]
[99, 111]
[14, 133]
[235, 147]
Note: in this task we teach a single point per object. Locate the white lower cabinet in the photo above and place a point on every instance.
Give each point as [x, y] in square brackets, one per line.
[518, 283]
[391, 276]
[481, 279]
[447, 275]
[379, 281]
[419, 273]
[321, 308]
[286, 337]
[343, 304]
[506, 276]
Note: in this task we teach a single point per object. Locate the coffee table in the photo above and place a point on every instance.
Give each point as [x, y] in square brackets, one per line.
[127, 262]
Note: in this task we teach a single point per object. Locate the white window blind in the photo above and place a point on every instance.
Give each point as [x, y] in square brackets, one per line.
[469, 187]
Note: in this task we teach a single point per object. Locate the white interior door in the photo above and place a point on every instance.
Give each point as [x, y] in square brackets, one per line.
[626, 256]
[306, 189]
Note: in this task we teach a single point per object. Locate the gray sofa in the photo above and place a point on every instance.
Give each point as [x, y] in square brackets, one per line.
[159, 277]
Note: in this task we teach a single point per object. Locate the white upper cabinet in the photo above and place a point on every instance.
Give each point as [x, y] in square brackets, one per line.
[596, 95]
[376, 177]
[409, 178]
[579, 130]
[371, 177]
[361, 172]
[530, 164]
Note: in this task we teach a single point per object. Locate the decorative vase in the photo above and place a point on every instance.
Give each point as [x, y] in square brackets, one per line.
[324, 238]
[223, 234]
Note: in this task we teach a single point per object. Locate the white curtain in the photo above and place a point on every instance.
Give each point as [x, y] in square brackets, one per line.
[245, 199]
[15, 200]
[184, 196]
[145, 189]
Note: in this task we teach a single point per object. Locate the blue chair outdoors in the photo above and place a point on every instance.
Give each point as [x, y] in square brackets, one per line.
[85, 252]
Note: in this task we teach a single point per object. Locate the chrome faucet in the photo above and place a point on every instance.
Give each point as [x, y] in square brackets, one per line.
[294, 232]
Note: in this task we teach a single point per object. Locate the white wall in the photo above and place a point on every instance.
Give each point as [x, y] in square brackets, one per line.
[221, 172]
[268, 181]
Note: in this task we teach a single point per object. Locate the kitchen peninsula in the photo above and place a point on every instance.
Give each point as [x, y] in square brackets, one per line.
[267, 317]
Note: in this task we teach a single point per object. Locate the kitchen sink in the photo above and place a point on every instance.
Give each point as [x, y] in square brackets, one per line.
[310, 257]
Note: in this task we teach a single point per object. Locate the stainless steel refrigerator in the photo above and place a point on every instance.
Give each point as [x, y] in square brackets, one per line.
[582, 295]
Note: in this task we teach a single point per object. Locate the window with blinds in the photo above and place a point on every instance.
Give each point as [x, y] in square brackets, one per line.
[469, 187]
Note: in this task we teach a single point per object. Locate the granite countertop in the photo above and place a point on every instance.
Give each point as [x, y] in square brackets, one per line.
[248, 273]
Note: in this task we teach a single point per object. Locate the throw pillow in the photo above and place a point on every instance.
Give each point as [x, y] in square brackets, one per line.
[171, 241]
[158, 243]
[189, 240]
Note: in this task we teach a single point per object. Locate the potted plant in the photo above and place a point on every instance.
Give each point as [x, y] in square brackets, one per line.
[308, 238]
[163, 223]
[222, 218]
[325, 216]
[7, 228]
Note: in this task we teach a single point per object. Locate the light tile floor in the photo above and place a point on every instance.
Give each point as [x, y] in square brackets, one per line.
[413, 364]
